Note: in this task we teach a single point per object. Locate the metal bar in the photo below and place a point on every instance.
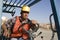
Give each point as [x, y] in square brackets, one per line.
[10, 1]
[22, 2]
[11, 5]
[53, 31]
[13, 8]
[27, 2]
[6, 6]
[6, 1]
[11, 12]
[14, 2]
[8, 11]
[34, 2]
[17, 4]
[55, 18]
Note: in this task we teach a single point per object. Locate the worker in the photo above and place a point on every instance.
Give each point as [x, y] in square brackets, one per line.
[4, 20]
[15, 25]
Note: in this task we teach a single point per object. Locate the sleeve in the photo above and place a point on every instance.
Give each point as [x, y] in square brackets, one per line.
[10, 22]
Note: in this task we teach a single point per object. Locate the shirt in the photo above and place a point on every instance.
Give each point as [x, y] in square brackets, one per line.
[11, 22]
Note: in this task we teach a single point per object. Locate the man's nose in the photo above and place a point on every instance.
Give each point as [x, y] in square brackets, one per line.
[26, 14]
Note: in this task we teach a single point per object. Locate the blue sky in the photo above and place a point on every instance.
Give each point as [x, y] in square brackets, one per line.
[39, 11]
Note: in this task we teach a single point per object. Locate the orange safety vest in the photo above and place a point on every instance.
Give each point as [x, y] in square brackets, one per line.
[16, 33]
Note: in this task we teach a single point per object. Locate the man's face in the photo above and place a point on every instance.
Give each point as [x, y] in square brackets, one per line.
[25, 15]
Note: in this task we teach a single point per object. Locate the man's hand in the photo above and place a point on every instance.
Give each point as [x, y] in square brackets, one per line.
[6, 34]
[35, 25]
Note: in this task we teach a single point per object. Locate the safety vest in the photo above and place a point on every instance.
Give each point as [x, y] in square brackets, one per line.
[16, 33]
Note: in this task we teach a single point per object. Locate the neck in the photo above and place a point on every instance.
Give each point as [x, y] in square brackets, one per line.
[22, 18]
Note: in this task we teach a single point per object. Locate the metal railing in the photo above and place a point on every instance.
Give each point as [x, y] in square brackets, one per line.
[13, 4]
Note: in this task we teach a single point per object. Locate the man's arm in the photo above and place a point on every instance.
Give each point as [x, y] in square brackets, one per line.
[5, 33]
[5, 25]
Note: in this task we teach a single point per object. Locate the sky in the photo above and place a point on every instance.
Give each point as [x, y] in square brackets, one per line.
[40, 12]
